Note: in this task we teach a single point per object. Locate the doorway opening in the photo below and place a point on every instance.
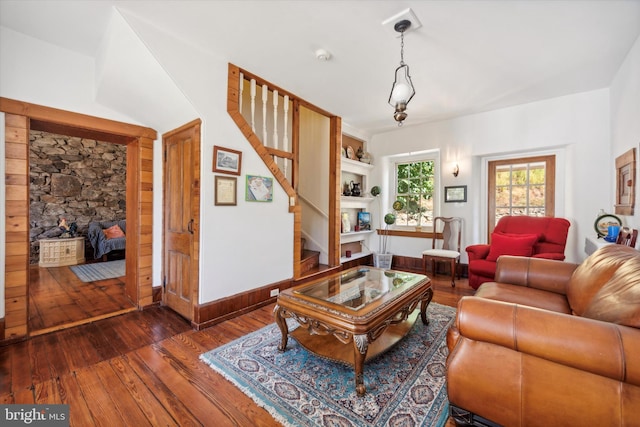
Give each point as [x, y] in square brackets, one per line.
[77, 204]
[19, 118]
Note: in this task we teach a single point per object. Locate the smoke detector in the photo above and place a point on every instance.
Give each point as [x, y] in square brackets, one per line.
[323, 55]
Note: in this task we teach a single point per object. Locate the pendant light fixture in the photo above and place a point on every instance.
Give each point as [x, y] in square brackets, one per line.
[402, 90]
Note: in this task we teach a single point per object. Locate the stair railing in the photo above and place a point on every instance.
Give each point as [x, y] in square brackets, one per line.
[268, 117]
[252, 100]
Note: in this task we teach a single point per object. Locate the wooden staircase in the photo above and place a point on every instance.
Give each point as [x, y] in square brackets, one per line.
[309, 261]
[310, 267]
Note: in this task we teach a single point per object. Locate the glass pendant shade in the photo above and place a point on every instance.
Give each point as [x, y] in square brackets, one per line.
[402, 90]
[401, 93]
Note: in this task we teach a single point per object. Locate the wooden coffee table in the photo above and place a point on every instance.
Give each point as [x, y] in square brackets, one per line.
[354, 315]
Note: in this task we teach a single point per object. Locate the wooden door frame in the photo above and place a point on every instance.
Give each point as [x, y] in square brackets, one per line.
[195, 203]
[19, 119]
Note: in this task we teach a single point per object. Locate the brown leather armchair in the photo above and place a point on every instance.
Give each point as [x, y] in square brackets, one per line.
[550, 343]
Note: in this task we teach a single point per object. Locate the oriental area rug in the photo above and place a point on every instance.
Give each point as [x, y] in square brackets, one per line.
[405, 386]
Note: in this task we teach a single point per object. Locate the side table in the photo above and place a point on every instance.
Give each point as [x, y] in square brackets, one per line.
[592, 244]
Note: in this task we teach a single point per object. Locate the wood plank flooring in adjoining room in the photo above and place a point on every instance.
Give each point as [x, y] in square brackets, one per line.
[143, 368]
[59, 299]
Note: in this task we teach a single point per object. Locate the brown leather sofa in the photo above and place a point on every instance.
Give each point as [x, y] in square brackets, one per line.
[550, 343]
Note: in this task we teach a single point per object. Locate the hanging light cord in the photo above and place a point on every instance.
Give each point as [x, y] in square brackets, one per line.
[402, 47]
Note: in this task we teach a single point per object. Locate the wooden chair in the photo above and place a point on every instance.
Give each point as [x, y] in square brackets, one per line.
[445, 245]
[627, 237]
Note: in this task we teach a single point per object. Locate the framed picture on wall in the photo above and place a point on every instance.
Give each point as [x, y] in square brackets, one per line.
[226, 160]
[456, 193]
[626, 183]
[225, 191]
[259, 189]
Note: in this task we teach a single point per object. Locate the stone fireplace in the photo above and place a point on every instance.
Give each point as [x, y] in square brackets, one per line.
[81, 180]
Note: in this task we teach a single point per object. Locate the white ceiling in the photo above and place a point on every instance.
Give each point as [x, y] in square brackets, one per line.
[468, 56]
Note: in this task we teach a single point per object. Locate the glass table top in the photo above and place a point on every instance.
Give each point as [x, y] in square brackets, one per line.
[358, 287]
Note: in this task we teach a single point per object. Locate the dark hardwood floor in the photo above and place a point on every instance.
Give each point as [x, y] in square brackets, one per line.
[58, 299]
[143, 368]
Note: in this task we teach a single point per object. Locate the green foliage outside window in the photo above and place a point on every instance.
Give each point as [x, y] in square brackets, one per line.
[520, 189]
[415, 188]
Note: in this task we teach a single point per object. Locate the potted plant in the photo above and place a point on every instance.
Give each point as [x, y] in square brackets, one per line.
[414, 213]
[383, 259]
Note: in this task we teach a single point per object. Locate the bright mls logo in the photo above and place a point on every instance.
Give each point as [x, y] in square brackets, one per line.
[37, 415]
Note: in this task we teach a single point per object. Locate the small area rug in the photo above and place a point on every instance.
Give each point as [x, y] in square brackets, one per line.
[99, 270]
[405, 385]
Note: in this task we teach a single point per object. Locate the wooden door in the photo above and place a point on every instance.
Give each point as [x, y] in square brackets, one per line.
[181, 218]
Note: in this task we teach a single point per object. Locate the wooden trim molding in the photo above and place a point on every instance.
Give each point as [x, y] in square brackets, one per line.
[19, 119]
[414, 265]
[16, 259]
[409, 233]
[217, 311]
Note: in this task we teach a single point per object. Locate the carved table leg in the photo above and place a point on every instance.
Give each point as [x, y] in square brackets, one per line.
[360, 347]
[282, 324]
[424, 304]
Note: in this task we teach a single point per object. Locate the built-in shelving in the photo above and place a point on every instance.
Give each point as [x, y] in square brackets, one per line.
[358, 172]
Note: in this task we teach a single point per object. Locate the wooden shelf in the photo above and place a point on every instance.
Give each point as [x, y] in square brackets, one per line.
[354, 236]
[354, 256]
[355, 166]
[355, 202]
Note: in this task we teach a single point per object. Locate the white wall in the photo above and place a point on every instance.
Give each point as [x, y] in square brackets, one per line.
[313, 184]
[242, 247]
[575, 127]
[41, 73]
[625, 121]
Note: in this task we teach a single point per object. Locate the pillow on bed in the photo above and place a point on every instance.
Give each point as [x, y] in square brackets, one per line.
[511, 244]
[113, 232]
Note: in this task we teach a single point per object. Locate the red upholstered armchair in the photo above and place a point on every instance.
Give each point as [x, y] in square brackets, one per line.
[537, 237]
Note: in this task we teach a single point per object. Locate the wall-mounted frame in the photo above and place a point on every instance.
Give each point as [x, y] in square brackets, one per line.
[225, 191]
[626, 183]
[456, 193]
[226, 160]
[259, 189]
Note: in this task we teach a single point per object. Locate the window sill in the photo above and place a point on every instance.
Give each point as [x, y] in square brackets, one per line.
[408, 233]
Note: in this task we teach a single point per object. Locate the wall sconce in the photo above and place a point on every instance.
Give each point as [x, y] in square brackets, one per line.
[402, 90]
[456, 170]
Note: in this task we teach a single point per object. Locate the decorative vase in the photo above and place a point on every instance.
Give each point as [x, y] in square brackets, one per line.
[355, 189]
[346, 224]
[382, 261]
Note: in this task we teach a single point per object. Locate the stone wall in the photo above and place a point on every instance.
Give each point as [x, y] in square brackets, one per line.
[81, 180]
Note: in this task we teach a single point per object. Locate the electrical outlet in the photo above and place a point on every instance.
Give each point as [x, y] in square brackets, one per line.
[274, 292]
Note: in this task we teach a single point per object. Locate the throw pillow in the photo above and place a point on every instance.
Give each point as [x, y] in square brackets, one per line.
[511, 244]
[113, 232]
